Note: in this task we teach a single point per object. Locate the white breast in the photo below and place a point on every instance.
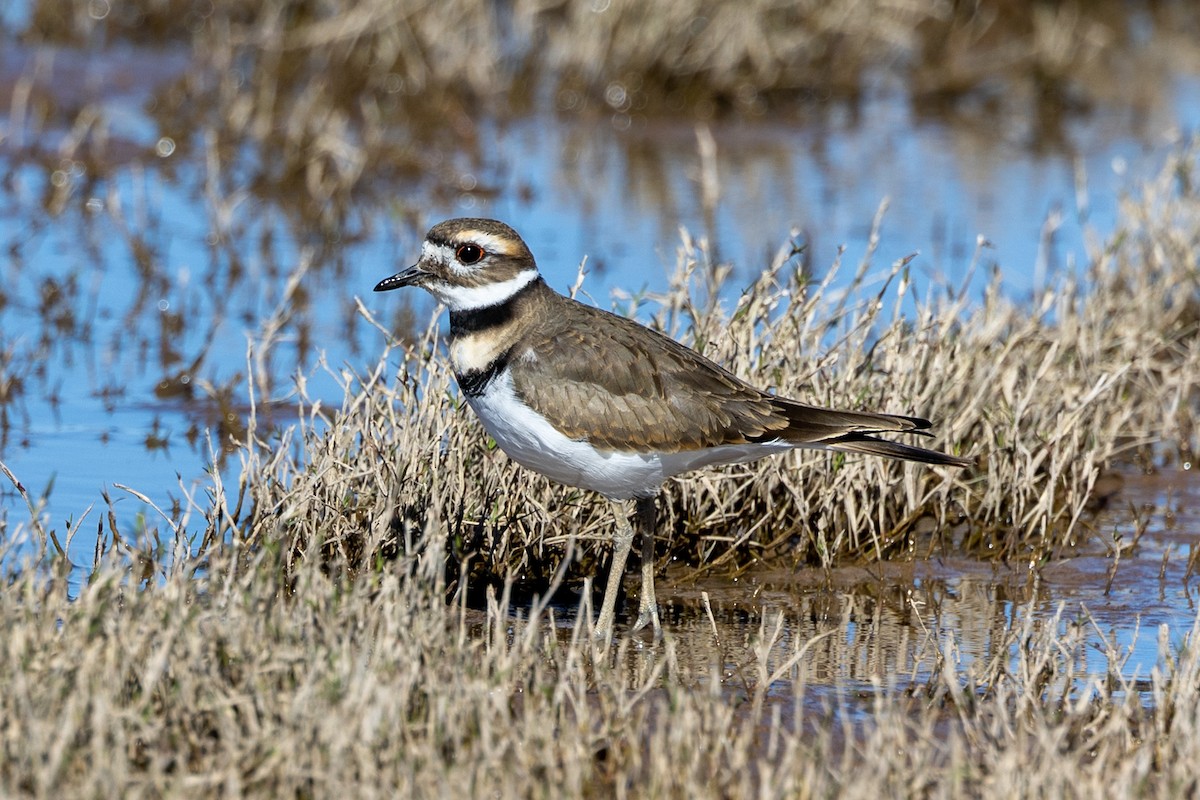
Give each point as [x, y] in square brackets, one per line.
[530, 440]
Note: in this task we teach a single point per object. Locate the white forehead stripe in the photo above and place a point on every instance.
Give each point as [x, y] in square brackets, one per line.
[441, 253]
[467, 298]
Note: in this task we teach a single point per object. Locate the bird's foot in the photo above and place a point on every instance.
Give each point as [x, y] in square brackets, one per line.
[648, 615]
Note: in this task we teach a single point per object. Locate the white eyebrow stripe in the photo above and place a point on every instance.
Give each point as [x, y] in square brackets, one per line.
[468, 298]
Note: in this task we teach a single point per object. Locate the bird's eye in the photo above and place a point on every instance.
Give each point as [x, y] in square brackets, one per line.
[469, 253]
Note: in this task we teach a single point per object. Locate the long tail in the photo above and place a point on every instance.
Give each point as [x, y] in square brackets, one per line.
[861, 443]
[851, 432]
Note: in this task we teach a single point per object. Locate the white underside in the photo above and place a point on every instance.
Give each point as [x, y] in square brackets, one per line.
[534, 443]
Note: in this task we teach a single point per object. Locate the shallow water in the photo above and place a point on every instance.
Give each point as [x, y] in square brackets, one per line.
[887, 624]
[130, 296]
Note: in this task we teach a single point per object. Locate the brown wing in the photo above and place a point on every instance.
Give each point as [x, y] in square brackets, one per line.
[622, 386]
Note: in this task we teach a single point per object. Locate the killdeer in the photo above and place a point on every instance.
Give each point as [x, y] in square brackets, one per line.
[595, 400]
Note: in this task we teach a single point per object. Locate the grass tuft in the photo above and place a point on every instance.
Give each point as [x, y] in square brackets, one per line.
[1099, 370]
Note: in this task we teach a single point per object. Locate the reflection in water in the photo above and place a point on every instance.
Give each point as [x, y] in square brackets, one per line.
[894, 624]
[856, 637]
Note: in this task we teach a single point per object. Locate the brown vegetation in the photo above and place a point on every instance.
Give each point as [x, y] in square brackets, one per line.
[339, 622]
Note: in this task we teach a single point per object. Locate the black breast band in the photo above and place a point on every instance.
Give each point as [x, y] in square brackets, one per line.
[476, 382]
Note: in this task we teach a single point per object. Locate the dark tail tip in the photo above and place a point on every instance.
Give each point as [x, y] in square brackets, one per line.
[868, 445]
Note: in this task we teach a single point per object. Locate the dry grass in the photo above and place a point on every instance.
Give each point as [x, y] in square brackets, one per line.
[702, 55]
[244, 682]
[211, 654]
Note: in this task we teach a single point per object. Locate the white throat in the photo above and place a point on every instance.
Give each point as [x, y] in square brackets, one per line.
[469, 298]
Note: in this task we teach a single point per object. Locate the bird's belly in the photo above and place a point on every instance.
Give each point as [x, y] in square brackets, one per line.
[529, 439]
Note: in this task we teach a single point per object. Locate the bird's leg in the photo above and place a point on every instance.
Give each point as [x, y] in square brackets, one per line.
[622, 541]
[648, 608]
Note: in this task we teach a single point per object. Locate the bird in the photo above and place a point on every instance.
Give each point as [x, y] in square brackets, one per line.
[595, 400]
